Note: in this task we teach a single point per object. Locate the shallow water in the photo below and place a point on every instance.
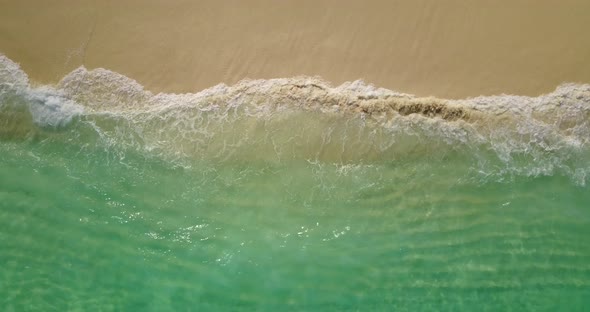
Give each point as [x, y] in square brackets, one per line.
[255, 198]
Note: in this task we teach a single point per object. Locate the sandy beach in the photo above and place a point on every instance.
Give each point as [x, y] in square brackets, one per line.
[451, 49]
[176, 155]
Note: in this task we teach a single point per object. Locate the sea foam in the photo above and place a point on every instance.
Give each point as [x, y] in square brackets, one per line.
[307, 118]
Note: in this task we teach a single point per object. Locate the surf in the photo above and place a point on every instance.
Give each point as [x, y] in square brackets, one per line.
[303, 118]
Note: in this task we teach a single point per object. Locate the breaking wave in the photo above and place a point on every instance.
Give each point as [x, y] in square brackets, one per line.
[302, 118]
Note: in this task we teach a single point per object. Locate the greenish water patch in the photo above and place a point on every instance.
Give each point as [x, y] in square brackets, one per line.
[114, 199]
[83, 232]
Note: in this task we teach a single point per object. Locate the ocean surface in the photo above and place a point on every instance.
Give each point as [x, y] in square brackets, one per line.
[290, 195]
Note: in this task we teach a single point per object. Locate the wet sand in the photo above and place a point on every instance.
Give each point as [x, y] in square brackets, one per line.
[450, 49]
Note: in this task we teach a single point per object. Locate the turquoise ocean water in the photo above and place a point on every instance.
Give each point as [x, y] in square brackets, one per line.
[290, 195]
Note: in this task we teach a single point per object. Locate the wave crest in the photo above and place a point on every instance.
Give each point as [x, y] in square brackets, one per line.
[307, 118]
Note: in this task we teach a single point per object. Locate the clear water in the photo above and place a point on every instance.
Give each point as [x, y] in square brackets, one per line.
[294, 210]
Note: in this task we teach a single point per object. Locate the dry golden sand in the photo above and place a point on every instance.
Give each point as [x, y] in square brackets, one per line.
[448, 48]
